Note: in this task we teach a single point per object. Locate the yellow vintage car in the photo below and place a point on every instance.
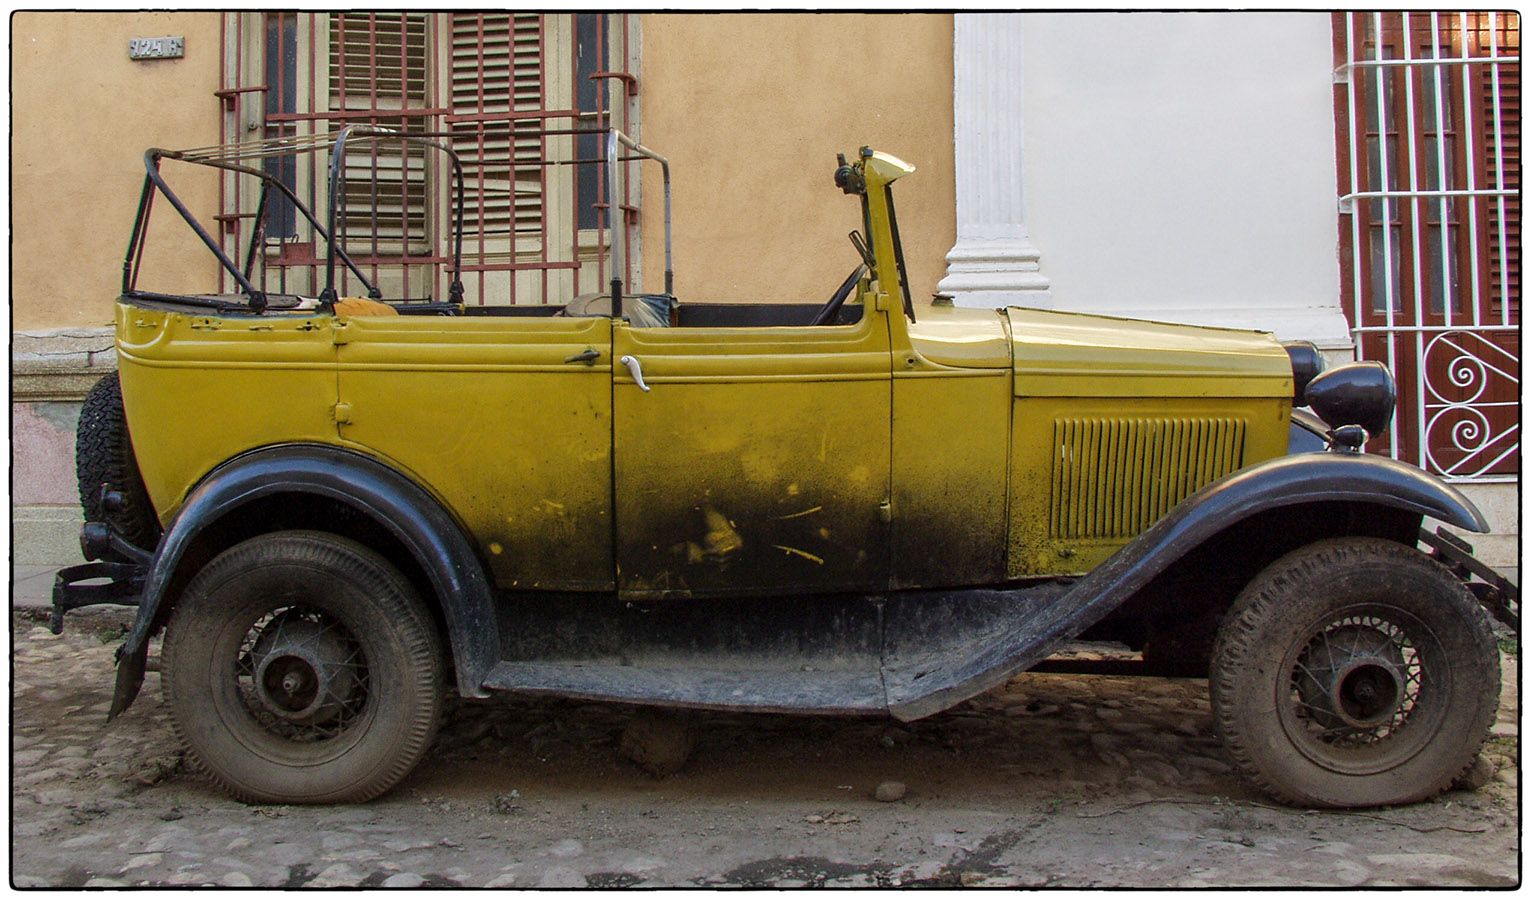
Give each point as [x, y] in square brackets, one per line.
[338, 509]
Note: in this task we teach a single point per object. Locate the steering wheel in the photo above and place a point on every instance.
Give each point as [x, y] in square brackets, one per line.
[837, 300]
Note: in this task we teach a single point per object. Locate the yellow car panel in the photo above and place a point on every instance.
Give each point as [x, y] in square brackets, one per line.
[951, 445]
[1062, 354]
[962, 338]
[1088, 474]
[1117, 420]
[756, 462]
[199, 390]
[492, 415]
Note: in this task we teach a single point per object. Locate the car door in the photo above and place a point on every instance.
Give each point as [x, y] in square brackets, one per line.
[756, 461]
[507, 420]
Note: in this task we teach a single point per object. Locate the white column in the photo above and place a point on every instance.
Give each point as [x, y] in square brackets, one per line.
[993, 263]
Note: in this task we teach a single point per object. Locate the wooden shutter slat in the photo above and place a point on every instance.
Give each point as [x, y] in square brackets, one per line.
[496, 68]
[385, 198]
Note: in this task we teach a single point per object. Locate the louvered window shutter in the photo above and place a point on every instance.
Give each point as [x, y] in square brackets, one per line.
[497, 72]
[377, 64]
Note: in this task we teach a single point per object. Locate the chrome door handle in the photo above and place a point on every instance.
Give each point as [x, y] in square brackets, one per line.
[635, 369]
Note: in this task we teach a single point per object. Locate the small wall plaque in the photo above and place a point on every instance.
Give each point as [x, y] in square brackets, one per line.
[157, 48]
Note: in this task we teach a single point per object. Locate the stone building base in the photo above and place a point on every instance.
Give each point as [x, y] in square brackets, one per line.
[50, 375]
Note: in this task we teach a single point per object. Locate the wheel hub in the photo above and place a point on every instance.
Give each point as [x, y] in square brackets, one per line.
[303, 670]
[1355, 677]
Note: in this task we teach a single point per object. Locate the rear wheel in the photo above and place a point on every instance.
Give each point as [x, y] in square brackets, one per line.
[1354, 672]
[300, 667]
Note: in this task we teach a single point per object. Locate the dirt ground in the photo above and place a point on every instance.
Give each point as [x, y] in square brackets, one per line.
[1053, 780]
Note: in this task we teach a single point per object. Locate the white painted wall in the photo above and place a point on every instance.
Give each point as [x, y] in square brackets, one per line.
[1501, 504]
[1181, 166]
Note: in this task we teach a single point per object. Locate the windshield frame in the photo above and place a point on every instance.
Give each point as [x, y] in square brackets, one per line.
[898, 253]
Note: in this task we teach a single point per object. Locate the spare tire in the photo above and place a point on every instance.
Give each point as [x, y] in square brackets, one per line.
[103, 455]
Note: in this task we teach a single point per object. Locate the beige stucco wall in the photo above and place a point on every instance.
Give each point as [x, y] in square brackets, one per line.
[82, 114]
[751, 109]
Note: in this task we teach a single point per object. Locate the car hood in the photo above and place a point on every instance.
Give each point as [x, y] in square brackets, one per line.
[1062, 354]
[963, 338]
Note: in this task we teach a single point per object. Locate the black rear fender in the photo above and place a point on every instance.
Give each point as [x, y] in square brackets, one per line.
[333, 489]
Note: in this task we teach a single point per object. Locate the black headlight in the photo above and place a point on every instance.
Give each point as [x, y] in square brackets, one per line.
[1360, 393]
[1307, 364]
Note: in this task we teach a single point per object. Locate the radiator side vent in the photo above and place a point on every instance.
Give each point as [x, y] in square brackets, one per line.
[1113, 477]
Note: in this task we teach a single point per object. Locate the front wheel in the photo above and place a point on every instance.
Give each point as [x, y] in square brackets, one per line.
[300, 667]
[1354, 672]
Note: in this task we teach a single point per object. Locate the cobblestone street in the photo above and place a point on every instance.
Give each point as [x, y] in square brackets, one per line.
[1053, 780]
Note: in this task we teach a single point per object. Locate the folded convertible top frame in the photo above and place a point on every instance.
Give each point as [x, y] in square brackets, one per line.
[235, 158]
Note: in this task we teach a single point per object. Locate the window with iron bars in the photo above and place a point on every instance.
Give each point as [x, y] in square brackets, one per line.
[509, 88]
[1428, 131]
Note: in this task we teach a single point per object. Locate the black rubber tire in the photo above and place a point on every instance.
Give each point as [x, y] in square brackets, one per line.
[383, 614]
[1288, 609]
[103, 455]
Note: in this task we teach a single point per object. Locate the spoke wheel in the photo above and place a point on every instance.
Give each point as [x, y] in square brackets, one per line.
[302, 674]
[1359, 702]
[1354, 672]
[301, 667]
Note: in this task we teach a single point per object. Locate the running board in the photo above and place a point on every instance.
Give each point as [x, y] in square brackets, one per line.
[779, 654]
[844, 692]
[812, 691]
[839, 654]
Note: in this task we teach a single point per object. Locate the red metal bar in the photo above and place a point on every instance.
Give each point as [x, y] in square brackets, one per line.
[433, 99]
[542, 151]
[629, 88]
[229, 95]
[483, 153]
[510, 155]
[627, 78]
[601, 189]
[223, 119]
[400, 259]
[513, 266]
[313, 159]
[282, 129]
[403, 262]
[370, 114]
[507, 118]
[627, 181]
[372, 104]
[281, 62]
[558, 114]
[340, 26]
[404, 151]
[268, 123]
[341, 103]
[239, 44]
[267, 130]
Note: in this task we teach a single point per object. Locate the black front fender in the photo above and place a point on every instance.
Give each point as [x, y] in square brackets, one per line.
[427, 530]
[1036, 628]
